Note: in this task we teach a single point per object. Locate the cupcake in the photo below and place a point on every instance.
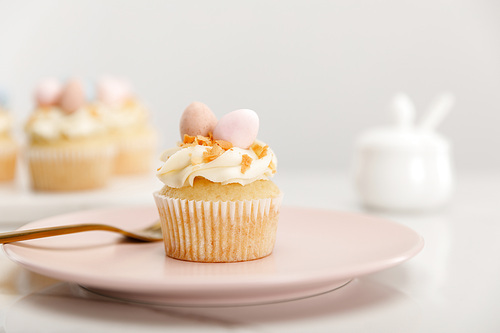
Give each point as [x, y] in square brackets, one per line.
[8, 146]
[69, 148]
[218, 203]
[128, 122]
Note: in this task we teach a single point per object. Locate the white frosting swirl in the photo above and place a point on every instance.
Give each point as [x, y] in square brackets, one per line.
[53, 124]
[178, 169]
[6, 121]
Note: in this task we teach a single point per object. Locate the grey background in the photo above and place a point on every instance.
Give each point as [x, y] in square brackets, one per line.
[318, 73]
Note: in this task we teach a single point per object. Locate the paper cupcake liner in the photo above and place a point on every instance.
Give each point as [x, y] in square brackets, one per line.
[8, 159]
[207, 231]
[135, 154]
[63, 154]
[8, 149]
[65, 169]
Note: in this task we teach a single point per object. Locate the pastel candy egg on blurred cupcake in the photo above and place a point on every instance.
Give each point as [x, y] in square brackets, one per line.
[128, 121]
[69, 147]
[218, 203]
[8, 146]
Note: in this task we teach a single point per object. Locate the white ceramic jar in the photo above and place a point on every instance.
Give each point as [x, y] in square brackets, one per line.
[403, 169]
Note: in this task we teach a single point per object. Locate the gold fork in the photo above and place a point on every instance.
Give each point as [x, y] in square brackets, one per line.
[149, 234]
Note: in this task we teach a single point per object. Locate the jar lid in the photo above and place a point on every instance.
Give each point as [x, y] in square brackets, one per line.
[404, 134]
[403, 139]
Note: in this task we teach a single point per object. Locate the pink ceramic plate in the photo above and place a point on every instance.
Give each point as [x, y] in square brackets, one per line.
[316, 251]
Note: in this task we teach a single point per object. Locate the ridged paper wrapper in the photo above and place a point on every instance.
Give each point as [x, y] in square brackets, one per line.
[68, 169]
[135, 153]
[218, 231]
[8, 159]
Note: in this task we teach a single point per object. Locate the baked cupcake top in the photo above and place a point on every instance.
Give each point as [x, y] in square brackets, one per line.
[118, 105]
[62, 112]
[224, 151]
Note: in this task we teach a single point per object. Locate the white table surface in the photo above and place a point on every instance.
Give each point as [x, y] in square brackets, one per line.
[453, 285]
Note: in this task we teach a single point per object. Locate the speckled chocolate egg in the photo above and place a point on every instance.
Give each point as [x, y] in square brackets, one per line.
[197, 119]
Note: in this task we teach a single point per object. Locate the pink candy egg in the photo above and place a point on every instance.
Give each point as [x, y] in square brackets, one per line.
[113, 91]
[72, 96]
[239, 127]
[48, 92]
[197, 119]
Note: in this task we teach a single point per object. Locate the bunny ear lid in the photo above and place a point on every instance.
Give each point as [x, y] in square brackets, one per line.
[438, 110]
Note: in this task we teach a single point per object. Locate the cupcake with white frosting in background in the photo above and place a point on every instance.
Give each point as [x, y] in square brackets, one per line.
[8, 146]
[129, 125]
[69, 147]
[218, 203]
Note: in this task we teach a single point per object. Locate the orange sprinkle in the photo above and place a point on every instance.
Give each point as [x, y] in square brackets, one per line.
[259, 150]
[246, 161]
[272, 166]
[188, 138]
[203, 140]
[212, 153]
[224, 144]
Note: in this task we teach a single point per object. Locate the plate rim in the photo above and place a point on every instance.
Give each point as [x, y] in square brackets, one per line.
[221, 283]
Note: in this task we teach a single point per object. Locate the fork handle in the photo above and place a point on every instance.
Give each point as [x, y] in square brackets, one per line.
[21, 235]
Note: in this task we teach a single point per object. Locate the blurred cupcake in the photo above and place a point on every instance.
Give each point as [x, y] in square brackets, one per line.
[128, 121]
[8, 146]
[69, 147]
[218, 204]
